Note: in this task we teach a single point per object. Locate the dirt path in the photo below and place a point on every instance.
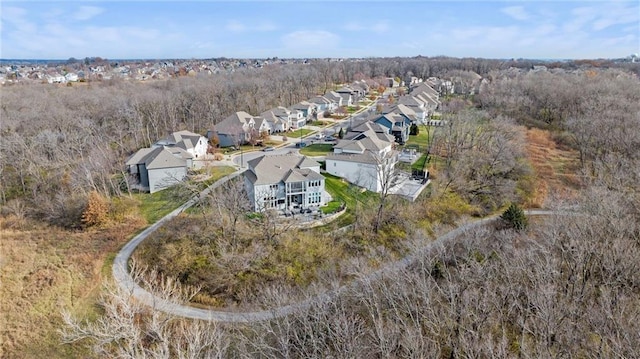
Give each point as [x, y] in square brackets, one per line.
[123, 279]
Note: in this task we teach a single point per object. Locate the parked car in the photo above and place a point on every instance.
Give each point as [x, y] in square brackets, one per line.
[268, 149]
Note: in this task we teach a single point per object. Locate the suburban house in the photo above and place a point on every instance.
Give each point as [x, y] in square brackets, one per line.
[349, 96]
[323, 105]
[361, 87]
[428, 96]
[284, 182]
[238, 129]
[400, 109]
[276, 123]
[157, 168]
[363, 156]
[309, 110]
[398, 124]
[282, 119]
[193, 143]
[423, 87]
[416, 105]
[335, 99]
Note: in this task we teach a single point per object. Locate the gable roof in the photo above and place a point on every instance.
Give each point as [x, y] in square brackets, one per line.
[424, 87]
[234, 123]
[160, 157]
[401, 109]
[368, 140]
[271, 169]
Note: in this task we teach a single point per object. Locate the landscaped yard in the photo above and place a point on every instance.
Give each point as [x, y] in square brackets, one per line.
[298, 133]
[319, 149]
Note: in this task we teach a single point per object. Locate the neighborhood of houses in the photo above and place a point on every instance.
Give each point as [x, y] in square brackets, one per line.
[362, 156]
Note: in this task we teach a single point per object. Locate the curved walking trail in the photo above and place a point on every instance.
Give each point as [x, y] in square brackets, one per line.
[124, 280]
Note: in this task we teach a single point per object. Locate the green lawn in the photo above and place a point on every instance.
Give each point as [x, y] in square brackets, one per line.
[343, 192]
[154, 206]
[297, 133]
[422, 138]
[331, 207]
[319, 123]
[419, 164]
[319, 149]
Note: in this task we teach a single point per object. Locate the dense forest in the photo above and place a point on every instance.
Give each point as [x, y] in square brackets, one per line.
[566, 287]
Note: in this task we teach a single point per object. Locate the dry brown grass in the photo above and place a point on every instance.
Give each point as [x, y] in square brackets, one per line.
[44, 270]
[554, 168]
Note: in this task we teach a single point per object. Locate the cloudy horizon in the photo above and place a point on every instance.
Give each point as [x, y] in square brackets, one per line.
[312, 29]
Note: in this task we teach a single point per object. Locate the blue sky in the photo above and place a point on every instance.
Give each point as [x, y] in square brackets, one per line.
[259, 29]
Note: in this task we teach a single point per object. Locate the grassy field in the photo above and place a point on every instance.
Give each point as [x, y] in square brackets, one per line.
[554, 167]
[45, 270]
[319, 149]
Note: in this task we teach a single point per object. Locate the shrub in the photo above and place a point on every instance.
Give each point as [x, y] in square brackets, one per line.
[414, 131]
[515, 218]
[97, 210]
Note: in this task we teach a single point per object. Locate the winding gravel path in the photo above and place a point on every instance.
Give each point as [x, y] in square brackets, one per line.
[124, 280]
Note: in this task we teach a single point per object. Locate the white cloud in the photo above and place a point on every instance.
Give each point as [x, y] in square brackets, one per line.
[16, 16]
[237, 26]
[265, 26]
[87, 12]
[516, 12]
[378, 27]
[310, 43]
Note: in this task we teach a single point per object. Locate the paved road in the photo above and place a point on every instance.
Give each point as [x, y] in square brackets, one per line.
[122, 277]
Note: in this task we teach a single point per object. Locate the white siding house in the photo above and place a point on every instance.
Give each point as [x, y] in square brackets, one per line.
[193, 143]
[284, 182]
[364, 157]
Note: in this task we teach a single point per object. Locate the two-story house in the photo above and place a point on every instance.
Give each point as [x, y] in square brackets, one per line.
[364, 156]
[236, 129]
[398, 124]
[193, 143]
[284, 182]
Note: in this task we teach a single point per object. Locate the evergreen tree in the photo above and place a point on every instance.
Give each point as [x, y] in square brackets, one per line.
[414, 130]
[515, 218]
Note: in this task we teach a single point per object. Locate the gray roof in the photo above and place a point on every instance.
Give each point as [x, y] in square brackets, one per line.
[424, 87]
[320, 100]
[366, 157]
[160, 157]
[368, 140]
[179, 152]
[234, 123]
[271, 169]
[400, 109]
[178, 136]
[137, 157]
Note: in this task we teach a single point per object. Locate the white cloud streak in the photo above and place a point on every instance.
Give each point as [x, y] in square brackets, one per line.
[85, 13]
